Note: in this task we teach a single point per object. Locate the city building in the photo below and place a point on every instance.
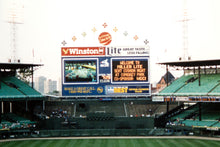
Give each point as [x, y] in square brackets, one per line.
[39, 84]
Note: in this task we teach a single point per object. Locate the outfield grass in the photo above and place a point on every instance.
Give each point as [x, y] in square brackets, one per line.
[153, 142]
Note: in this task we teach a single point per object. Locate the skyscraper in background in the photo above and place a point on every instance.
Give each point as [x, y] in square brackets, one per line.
[50, 86]
[39, 84]
[44, 85]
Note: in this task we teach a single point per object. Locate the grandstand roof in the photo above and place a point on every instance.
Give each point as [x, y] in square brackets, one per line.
[193, 63]
[11, 88]
[17, 65]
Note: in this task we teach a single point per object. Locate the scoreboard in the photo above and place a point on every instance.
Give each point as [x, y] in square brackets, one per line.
[105, 71]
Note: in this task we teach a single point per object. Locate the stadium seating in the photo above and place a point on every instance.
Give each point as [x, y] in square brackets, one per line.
[190, 111]
[16, 118]
[7, 91]
[217, 124]
[215, 91]
[5, 124]
[190, 116]
[197, 123]
[208, 82]
[188, 85]
[13, 121]
[21, 86]
[176, 85]
[210, 111]
[11, 87]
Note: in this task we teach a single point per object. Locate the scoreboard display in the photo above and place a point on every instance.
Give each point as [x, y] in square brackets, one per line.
[129, 70]
[80, 71]
[105, 71]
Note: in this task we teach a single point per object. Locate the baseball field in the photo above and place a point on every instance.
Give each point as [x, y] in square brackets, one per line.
[113, 142]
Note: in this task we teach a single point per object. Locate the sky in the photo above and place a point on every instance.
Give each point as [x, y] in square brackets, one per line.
[44, 24]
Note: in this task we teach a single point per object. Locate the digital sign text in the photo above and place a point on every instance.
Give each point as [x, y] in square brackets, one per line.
[132, 70]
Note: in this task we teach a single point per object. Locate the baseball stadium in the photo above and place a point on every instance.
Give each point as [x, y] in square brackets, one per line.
[96, 108]
[106, 95]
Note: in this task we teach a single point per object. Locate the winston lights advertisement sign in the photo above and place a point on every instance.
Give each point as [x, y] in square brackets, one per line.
[83, 51]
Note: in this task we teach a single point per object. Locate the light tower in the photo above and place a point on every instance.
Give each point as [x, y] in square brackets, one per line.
[185, 32]
[15, 17]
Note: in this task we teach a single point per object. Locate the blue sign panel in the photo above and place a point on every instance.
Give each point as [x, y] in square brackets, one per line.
[85, 90]
[127, 90]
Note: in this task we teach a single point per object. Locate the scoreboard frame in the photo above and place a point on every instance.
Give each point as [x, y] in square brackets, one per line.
[100, 65]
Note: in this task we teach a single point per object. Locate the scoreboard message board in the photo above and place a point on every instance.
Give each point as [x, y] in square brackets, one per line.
[129, 70]
[105, 71]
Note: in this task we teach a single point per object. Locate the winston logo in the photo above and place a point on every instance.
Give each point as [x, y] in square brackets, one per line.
[65, 51]
[83, 51]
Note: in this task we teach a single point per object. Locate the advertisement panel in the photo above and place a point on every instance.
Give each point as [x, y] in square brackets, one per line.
[127, 89]
[83, 51]
[83, 90]
[187, 98]
[87, 71]
[127, 51]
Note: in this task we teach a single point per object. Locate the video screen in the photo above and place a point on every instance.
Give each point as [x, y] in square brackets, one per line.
[80, 71]
[130, 70]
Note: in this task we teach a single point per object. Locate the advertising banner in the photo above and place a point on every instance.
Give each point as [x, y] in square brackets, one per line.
[157, 98]
[75, 90]
[128, 90]
[83, 51]
[127, 51]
